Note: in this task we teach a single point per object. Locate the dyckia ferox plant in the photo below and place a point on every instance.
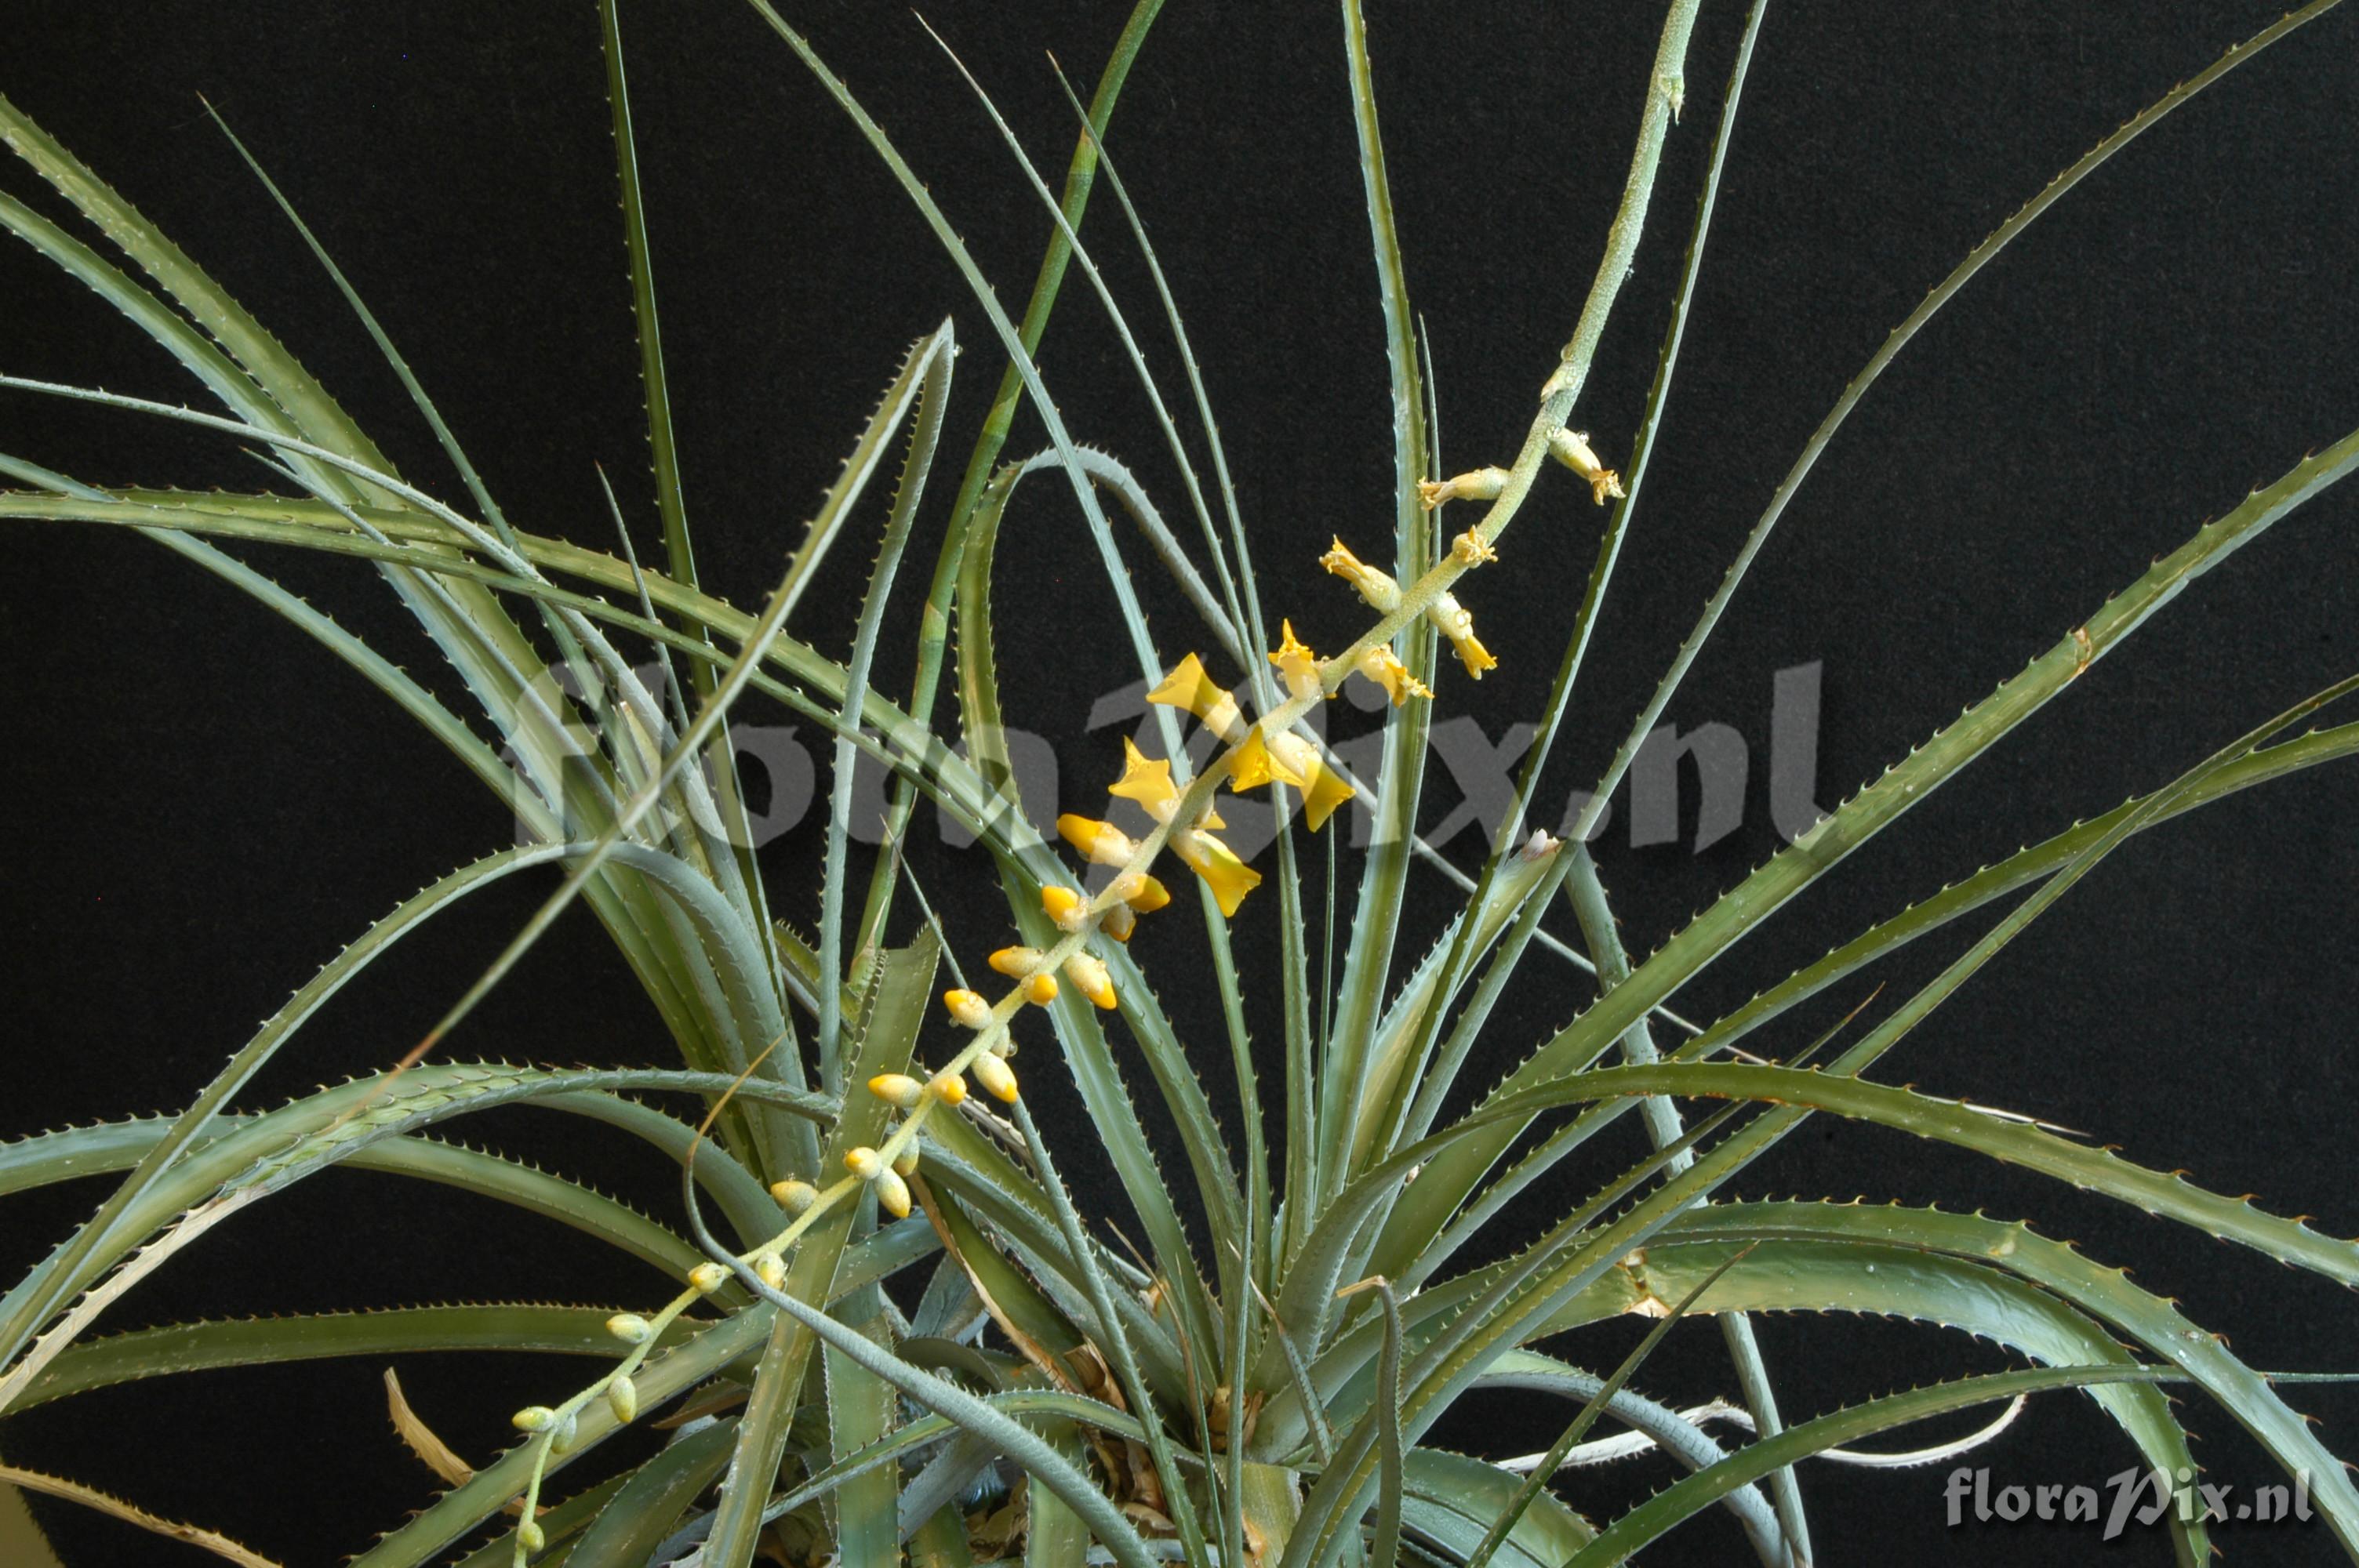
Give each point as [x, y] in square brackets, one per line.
[1327, 1185]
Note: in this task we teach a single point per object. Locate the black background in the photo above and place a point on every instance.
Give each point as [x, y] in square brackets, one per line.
[207, 807]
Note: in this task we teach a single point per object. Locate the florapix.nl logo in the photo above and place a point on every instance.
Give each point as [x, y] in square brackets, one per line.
[561, 762]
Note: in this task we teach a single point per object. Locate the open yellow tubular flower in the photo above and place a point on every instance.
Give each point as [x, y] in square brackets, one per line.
[1143, 779]
[1297, 663]
[1286, 758]
[1479, 484]
[1101, 843]
[1570, 448]
[1382, 593]
[1189, 687]
[1382, 666]
[1228, 878]
[1452, 620]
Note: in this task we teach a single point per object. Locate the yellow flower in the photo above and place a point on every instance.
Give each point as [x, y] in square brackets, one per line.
[793, 1196]
[996, 1076]
[1090, 974]
[1064, 906]
[1570, 448]
[967, 1007]
[1480, 484]
[898, 1090]
[1297, 663]
[1147, 782]
[1016, 962]
[1189, 687]
[893, 1194]
[947, 1087]
[1228, 878]
[1378, 589]
[1452, 620]
[1382, 666]
[1147, 897]
[1101, 843]
[1286, 758]
[1040, 989]
[1120, 921]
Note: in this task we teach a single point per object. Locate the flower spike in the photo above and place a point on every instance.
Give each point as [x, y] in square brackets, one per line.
[1189, 687]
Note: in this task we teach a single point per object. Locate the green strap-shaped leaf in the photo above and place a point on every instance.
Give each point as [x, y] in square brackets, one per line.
[1874, 807]
[1450, 1500]
[1651, 1520]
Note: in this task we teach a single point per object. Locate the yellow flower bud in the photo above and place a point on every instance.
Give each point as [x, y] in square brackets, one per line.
[1189, 687]
[1452, 620]
[533, 1418]
[1016, 962]
[947, 1087]
[1089, 974]
[622, 1399]
[630, 1328]
[864, 1162]
[771, 1270]
[1382, 593]
[1481, 484]
[996, 1076]
[1040, 989]
[967, 1007]
[1147, 782]
[1099, 843]
[794, 1196]
[1570, 448]
[707, 1277]
[1382, 666]
[1297, 663]
[1121, 920]
[905, 1163]
[1064, 906]
[896, 1089]
[893, 1194]
[1151, 896]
